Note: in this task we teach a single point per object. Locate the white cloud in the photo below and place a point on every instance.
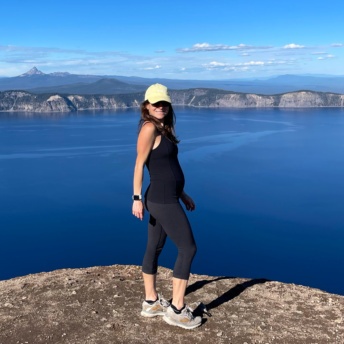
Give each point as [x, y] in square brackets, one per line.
[217, 61]
[337, 45]
[293, 46]
[249, 66]
[38, 50]
[201, 47]
[152, 68]
[254, 63]
[328, 56]
[217, 64]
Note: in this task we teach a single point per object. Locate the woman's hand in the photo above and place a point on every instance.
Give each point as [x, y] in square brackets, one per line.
[138, 209]
[188, 201]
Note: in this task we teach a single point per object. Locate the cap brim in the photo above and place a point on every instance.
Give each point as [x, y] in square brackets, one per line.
[154, 100]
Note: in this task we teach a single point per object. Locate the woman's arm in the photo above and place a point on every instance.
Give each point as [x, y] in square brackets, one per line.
[145, 143]
[188, 201]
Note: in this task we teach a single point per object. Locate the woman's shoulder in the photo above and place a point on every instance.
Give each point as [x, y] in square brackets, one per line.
[148, 128]
[148, 123]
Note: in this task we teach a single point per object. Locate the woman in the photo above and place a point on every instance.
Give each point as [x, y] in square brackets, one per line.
[157, 149]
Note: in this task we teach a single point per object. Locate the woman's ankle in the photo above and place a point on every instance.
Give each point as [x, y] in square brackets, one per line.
[178, 306]
[152, 297]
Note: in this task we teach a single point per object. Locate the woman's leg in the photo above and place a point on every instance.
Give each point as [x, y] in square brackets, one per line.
[179, 288]
[155, 243]
[175, 224]
[150, 286]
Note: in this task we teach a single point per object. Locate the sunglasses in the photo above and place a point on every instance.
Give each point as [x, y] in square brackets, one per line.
[161, 104]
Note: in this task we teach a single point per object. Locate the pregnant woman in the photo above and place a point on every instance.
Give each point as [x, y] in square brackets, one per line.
[157, 150]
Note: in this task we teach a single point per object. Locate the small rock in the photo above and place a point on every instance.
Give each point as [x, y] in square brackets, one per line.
[330, 301]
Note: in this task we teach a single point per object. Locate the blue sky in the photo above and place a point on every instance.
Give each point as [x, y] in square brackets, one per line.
[219, 39]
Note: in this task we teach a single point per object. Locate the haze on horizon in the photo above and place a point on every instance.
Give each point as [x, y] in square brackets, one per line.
[173, 39]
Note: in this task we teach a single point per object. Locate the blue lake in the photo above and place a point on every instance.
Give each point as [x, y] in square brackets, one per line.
[268, 186]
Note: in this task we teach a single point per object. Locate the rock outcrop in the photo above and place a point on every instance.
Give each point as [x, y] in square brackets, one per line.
[21, 101]
[102, 305]
[218, 98]
[17, 101]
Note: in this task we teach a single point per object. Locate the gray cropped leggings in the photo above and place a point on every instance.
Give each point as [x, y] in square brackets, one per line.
[169, 220]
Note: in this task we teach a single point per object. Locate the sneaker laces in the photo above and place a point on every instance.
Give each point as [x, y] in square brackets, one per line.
[187, 311]
[164, 303]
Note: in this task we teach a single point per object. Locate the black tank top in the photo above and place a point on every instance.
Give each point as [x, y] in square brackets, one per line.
[166, 175]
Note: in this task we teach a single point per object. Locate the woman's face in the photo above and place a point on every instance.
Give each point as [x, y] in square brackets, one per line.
[158, 110]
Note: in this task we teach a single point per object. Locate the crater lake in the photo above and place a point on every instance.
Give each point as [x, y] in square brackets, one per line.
[268, 186]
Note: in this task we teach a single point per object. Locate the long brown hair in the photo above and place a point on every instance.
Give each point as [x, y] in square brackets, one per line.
[169, 121]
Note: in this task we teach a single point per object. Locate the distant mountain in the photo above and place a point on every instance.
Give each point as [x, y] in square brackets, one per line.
[102, 86]
[32, 71]
[267, 86]
[35, 78]
[307, 82]
[61, 82]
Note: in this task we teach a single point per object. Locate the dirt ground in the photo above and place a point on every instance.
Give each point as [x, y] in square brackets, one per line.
[101, 305]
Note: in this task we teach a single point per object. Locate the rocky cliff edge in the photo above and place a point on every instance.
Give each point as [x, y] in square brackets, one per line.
[102, 305]
[21, 101]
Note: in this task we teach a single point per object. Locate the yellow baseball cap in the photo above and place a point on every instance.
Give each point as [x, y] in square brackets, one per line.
[157, 93]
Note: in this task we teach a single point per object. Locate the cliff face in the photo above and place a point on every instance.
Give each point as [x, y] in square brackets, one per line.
[210, 98]
[311, 99]
[218, 98]
[102, 305]
[28, 102]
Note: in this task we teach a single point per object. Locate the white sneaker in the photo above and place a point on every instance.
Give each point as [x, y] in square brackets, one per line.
[185, 319]
[159, 307]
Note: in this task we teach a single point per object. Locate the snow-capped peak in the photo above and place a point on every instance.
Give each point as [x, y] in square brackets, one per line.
[33, 71]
